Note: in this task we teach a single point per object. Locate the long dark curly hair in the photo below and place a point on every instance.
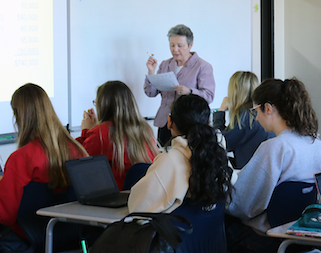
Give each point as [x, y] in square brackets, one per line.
[209, 181]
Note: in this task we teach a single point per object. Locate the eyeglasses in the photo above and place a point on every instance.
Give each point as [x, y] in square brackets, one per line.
[94, 102]
[253, 111]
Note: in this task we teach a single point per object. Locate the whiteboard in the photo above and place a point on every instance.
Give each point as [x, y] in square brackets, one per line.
[109, 41]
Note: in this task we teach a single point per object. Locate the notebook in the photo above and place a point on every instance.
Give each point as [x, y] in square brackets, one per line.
[94, 182]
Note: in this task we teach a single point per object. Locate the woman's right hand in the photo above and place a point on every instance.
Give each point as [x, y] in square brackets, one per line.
[224, 105]
[89, 119]
[151, 65]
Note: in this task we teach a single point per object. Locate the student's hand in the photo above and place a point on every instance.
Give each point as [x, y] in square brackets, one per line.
[224, 105]
[151, 65]
[93, 115]
[88, 121]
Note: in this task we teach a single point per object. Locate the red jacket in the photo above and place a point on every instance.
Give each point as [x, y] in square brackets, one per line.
[28, 163]
[91, 141]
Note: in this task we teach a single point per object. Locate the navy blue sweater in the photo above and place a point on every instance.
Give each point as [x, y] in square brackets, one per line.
[243, 142]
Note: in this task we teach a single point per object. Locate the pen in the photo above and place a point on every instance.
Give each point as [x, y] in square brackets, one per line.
[151, 55]
[84, 248]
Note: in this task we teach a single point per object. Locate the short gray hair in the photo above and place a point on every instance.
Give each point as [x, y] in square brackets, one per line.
[181, 30]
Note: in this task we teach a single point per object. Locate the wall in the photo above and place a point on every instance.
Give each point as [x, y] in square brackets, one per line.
[298, 44]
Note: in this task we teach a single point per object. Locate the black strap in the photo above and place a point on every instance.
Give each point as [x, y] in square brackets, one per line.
[167, 231]
[171, 216]
[163, 224]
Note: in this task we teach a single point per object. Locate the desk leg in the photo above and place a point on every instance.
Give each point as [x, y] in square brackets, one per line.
[49, 234]
[284, 245]
[287, 242]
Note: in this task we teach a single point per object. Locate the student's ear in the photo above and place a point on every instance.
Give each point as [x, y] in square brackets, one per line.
[268, 108]
[169, 123]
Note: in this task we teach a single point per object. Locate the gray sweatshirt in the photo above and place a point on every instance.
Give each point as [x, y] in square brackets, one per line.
[288, 157]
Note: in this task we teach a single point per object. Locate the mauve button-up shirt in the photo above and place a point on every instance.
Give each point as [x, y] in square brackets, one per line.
[196, 74]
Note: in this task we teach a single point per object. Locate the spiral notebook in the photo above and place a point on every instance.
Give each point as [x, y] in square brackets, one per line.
[94, 182]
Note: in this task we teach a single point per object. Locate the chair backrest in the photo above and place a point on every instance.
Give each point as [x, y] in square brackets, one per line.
[38, 195]
[208, 234]
[288, 201]
[136, 172]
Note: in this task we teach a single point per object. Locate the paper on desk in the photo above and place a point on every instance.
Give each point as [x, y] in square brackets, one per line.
[163, 82]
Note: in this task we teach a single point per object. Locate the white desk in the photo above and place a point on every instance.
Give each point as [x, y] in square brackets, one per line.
[280, 232]
[74, 212]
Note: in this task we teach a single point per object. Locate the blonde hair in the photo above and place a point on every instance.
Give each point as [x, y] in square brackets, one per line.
[36, 118]
[240, 88]
[116, 103]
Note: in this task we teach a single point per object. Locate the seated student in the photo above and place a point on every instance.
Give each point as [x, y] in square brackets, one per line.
[282, 107]
[43, 147]
[243, 135]
[196, 166]
[122, 134]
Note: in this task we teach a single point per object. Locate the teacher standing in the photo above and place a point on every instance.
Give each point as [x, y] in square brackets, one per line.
[194, 75]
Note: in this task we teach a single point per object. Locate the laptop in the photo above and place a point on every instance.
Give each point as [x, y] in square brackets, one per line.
[94, 182]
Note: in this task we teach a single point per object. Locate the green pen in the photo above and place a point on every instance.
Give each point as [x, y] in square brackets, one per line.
[83, 245]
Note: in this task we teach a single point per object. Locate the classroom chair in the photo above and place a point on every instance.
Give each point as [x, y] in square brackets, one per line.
[289, 200]
[38, 195]
[136, 172]
[208, 234]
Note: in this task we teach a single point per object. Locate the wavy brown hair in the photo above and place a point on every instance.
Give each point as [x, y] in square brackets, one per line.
[36, 119]
[116, 103]
[293, 103]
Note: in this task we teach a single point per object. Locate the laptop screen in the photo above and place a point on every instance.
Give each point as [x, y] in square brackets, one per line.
[92, 177]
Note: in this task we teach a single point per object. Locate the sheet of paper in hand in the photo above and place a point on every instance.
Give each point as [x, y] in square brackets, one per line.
[163, 82]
